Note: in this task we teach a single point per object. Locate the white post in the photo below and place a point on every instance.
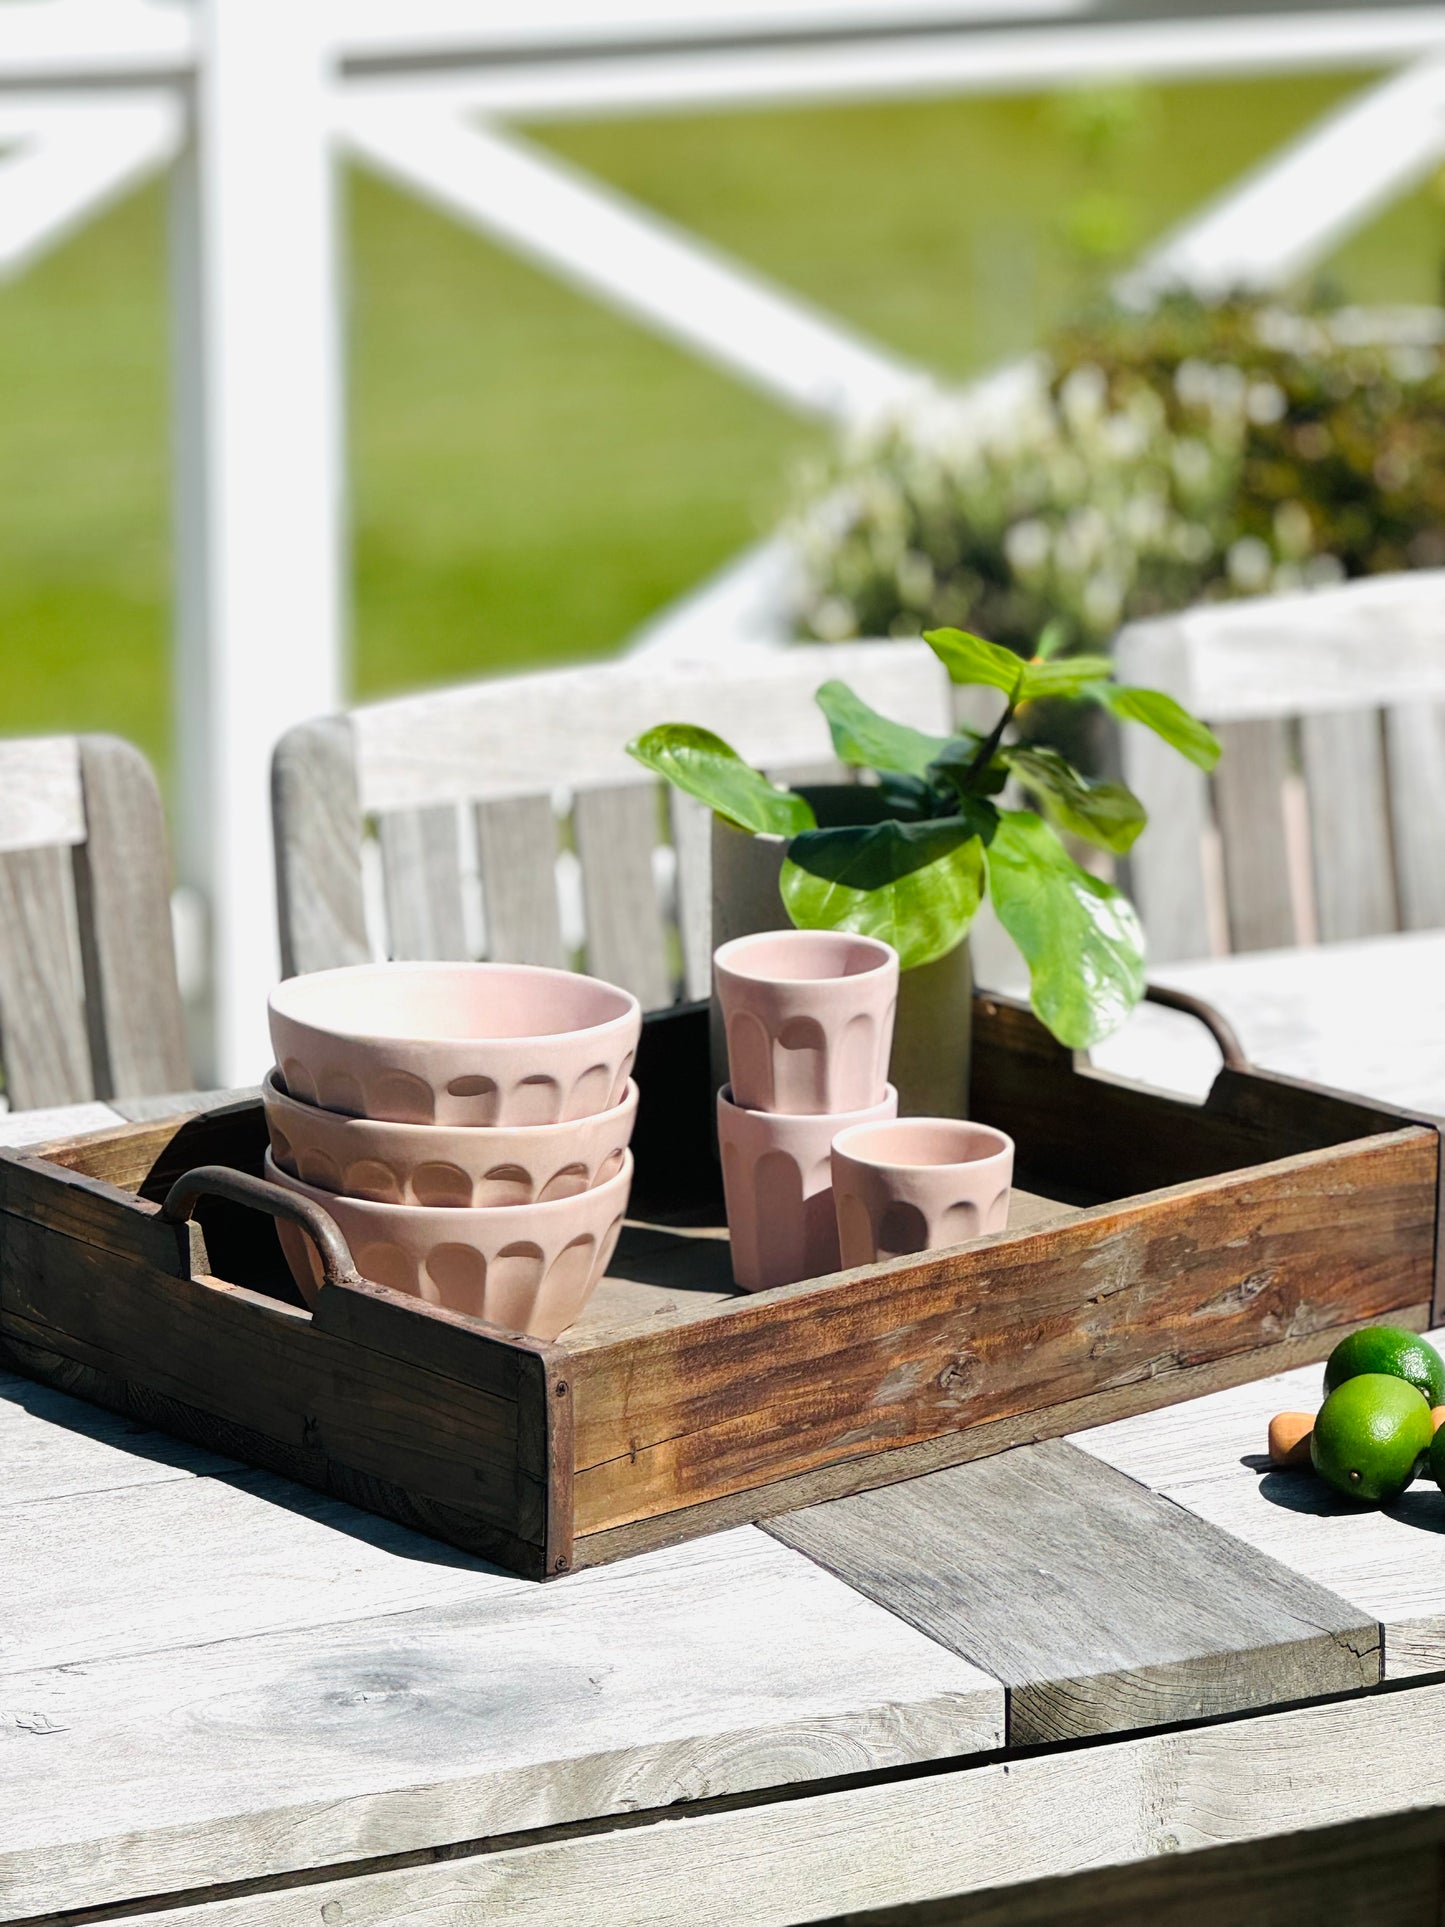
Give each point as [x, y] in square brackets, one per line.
[258, 472]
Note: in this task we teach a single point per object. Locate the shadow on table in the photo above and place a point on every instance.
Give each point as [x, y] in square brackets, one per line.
[133, 1436]
[1300, 1491]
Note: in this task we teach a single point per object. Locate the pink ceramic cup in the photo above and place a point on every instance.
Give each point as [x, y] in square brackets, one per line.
[778, 1184]
[445, 1164]
[809, 1019]
[455, 1043]
[528, 1267]
[917, 1184]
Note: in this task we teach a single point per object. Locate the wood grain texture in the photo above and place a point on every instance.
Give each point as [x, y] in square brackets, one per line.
[422, 879]
[1102, 1607]
[351, 1694]
[1111, 1296]
[627, 938]
[52, 1446]
[517, 849]
[918, 1840]
[1415, 744]
[1249, 805]
[123, 895]
[262, 1365]
[40, 801]
[572, 726]
[692, 844]
[1349, 818]
[1207, 1456]
[43, 1044]
[317, 826]
[1368, 644]
[1166, 874]
[1353, 1876]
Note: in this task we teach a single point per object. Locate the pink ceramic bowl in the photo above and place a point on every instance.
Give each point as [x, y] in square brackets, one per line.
[528, 1267]
[778, 1186]
[439, 1164]
[809, 1019]
[455, 1043]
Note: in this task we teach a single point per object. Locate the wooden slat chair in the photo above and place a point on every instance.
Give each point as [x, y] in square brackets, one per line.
[1326, 814]
[89, 1002]
[473, 795]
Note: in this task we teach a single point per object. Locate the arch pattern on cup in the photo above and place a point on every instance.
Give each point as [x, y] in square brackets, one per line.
[919, 1184]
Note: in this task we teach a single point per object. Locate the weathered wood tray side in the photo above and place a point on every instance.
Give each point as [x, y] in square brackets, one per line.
[1192, 1247]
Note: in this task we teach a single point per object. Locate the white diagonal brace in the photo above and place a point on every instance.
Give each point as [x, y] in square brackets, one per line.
[56, 178]
[1288, 213]
[634, 260]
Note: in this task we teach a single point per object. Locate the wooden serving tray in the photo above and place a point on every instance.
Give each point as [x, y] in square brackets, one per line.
[1158, 1248]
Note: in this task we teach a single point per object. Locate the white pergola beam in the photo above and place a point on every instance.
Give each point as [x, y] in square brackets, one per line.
[636, 262]
[1293, 209]
[913, 66]
[257, 473]
[107, 41]
[67, 166]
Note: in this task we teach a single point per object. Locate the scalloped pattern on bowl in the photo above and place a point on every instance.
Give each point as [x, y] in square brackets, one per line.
[529, 1268]
[475, 1044]
[455, 1166]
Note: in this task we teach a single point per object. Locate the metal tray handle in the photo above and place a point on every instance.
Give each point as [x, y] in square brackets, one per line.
[1218, 1026]
[239, 1187]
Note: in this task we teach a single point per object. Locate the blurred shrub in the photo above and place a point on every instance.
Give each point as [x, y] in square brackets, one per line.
[1194, 452]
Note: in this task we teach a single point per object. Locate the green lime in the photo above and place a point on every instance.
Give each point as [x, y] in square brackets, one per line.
[1368, 1437]
[1388, 1349]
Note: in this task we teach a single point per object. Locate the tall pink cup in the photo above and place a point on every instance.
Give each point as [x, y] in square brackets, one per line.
[778, 1183]
[918, 1183]
[809, 1019]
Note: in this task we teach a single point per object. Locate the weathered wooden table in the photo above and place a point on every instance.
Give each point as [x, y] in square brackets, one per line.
[1036, 1688]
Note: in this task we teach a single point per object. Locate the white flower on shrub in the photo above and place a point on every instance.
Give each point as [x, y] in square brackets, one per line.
[1250, 564]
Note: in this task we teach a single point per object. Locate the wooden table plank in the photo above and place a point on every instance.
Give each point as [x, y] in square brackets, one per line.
[1101, 1606]
[1208, 1456]
[721, 1667]
[52, 1446]
[915, 1840]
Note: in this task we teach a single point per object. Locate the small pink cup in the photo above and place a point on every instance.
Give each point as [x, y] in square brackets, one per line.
[809, 1019]
[778, 1184]
[916, 1184]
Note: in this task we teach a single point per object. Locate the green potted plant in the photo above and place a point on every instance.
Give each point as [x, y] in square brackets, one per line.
[910, 855]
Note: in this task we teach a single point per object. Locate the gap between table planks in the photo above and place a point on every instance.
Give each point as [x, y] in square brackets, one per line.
[909, 1841]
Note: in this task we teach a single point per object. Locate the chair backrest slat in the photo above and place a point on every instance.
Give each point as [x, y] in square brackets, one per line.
[517, 850]
[1361, 670]
[523, 747]
[43, 1040]
[422, 879]
[1343, 757]
[1415, 741]
[317, 827]
[127, 949]
[627, 937]
[1249, 803]
[89, 1001]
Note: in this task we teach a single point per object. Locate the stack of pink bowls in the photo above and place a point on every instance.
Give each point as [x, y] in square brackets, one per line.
[466, 1125]
[809, 1021]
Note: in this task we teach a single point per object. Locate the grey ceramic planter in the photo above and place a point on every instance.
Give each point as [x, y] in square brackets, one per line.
[932, 1035]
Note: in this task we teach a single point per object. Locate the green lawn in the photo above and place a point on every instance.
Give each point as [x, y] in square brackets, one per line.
[531, 476]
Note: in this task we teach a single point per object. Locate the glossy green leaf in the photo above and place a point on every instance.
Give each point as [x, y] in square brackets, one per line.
[711, 770]
[969, 659]
[1167, 718]
[869, 741]
[1064, 676]
[915, 885]
[1079, 936]
[1106, 814]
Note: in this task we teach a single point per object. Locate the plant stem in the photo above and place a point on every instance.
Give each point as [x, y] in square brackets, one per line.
[983, 755]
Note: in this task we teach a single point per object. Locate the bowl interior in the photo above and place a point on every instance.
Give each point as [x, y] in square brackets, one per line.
[450, 1003]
